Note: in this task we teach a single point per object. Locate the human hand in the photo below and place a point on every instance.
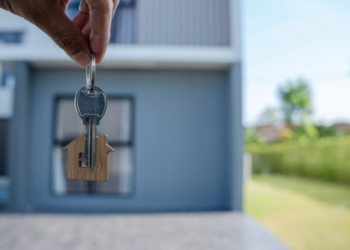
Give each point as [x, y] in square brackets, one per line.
[88, 32]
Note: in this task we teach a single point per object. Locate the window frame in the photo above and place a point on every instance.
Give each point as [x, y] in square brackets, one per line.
[113, 144]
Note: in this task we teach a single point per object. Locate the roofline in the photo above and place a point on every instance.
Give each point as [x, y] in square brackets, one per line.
[129, 56]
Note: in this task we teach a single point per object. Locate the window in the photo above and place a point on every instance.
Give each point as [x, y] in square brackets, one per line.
[117, 124]
[11, 36]
[7, 78]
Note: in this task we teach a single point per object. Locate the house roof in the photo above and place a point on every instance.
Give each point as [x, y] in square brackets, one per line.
[342, 125]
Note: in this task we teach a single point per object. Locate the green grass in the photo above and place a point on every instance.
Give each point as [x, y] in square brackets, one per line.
[305, 214]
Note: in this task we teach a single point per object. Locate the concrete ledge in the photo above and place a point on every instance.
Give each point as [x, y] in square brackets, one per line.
[192, 231]
[129, 57]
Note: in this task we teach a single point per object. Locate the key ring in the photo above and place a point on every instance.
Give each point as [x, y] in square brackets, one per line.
[90, 74]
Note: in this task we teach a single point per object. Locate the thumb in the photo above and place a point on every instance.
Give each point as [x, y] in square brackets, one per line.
[54, 22]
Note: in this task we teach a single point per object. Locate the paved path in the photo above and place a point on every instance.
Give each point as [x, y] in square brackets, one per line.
[192, 231]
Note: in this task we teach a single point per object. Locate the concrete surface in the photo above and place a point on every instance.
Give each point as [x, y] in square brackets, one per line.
[215, 231]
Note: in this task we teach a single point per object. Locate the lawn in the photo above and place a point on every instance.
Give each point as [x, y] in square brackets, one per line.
[306, 214]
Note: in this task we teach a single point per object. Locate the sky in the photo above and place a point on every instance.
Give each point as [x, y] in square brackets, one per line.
[287, 39]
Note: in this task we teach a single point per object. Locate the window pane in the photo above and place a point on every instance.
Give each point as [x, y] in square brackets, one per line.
[11, 37]
[120, 175]
[68, 123]
[116, 123]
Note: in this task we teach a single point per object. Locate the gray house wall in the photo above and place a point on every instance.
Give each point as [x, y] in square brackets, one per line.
[181, 145]
[123, 29]
[236, 134]
[183, 22]
[18, 140]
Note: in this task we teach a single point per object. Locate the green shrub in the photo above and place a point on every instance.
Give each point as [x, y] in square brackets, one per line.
[326, 158]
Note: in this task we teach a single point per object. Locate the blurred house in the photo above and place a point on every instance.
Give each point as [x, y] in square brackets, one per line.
[342, 128]
[269, 132]
[172, 74]
[273, 132]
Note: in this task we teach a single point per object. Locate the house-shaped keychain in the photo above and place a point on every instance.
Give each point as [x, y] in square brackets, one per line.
[76, 164]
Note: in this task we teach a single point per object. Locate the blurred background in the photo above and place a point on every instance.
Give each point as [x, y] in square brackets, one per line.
[296, 118]
[213, 106]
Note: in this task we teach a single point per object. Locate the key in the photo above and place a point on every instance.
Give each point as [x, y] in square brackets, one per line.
[90, 106]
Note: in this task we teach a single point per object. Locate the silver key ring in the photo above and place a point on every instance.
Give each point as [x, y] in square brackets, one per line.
[90, 74]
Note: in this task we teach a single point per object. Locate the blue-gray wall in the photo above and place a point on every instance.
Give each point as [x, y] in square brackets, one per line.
[236, 133]
[181, 152]
[18, 138]
[189, 22]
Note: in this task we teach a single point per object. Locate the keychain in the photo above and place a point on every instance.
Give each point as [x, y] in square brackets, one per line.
[88, 155]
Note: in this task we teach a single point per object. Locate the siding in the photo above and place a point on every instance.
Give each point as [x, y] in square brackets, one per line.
[183, 22]
[123, 24]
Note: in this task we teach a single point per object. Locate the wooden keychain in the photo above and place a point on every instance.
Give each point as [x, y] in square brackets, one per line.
[88, 155]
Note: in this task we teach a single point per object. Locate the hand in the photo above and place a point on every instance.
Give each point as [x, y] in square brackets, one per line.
[88, 32]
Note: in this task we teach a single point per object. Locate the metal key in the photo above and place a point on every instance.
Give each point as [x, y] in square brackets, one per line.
[91, 104]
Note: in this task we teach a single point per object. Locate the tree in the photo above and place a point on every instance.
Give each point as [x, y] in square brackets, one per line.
[295, 97]
[327, 131]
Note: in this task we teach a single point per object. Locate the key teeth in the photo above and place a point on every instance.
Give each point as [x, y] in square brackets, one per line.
[90, 143]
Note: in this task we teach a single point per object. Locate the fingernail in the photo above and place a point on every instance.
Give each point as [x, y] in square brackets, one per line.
[82, 58]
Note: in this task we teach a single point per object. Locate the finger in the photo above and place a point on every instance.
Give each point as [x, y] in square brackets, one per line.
[80, 20]
[82, 17]
[87, 30]
[100, 23]
[115, 5]
[54, 22]
[63, 4]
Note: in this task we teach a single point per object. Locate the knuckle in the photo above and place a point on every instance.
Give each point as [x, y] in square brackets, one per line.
[67, 42]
